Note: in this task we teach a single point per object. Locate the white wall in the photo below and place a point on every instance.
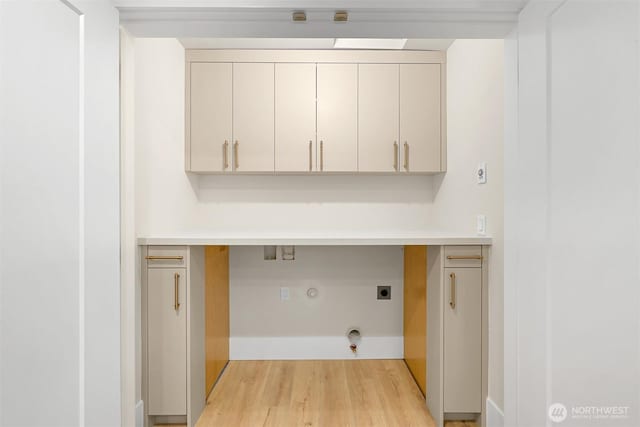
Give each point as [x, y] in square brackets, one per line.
[59, 266]
[574, 325]
[102, 398]
[346, 279]
[40, 136]
[130, 261]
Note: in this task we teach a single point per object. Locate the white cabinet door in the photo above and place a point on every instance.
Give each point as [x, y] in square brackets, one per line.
[167, 341]
[463, 340]
[253, 117]
[337, 118]
[420, 123]
[210, 121]
[378, 117]
[295, 117]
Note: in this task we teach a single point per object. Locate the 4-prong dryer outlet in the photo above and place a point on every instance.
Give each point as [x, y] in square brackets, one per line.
[384, 292]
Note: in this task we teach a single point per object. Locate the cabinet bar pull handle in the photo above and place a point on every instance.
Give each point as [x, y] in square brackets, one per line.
[395, 156]
[465, 257]
[452, 290]
[406, 156]
[310, 156]
[236, 161]
[225, 149]
[161, 257]
[176, 302]
[321, 156]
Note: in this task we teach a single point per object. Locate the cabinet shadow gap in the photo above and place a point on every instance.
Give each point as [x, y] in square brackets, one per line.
[416, 189]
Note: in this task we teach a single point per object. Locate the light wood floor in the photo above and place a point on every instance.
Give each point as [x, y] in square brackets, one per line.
[316, 393]
[328, 393]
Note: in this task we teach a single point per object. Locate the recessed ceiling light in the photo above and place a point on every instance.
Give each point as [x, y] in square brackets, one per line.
[369, 43]
[341, 16]
[299, 16]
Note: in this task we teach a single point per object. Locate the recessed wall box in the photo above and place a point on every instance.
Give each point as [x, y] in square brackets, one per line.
[270, 253]
[288, 253]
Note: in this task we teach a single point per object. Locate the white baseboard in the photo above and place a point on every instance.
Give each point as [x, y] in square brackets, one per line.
[140, 414]
[313, 348]
[495, 416]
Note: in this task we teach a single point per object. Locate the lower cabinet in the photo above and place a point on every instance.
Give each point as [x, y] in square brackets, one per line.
[456, 333]
[167, 341]
[173, 351]
[463, 340]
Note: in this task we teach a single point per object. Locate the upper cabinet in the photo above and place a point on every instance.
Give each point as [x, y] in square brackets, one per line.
[209, 114]
[337, 117]
[317, 111]
[253, 125]
[420, 118]
[378, 118]
[295, 117]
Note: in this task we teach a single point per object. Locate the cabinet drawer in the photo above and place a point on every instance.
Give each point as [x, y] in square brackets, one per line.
[463, 256]
[166, 256]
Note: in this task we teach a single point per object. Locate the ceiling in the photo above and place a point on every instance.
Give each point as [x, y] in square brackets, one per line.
[272, 19]
[479, 5]
[296, 43]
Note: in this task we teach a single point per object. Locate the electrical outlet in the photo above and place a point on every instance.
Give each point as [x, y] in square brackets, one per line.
[284, 294]
[384, 292]
[481, 173]
[481, 225]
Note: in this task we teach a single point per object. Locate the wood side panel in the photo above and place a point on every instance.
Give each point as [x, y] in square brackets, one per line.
[415, 313]
[216, 312]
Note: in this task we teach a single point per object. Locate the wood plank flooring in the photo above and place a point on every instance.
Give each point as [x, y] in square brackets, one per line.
[311, 393]
[328, 393]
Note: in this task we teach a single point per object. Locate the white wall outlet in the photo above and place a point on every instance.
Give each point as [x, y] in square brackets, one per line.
[481, 173]
[284, 294]
[481, 225]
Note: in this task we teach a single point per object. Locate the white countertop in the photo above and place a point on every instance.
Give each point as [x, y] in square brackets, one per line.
[373, 240]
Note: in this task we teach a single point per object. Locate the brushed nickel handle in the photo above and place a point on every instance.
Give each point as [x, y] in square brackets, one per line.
[459, 257]
[225, 149]
[310, 156]
[406, 156]
[452, 290]
[236, 161]
[321, 156]
[176, 302]
[161, 257]
[395, 156]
